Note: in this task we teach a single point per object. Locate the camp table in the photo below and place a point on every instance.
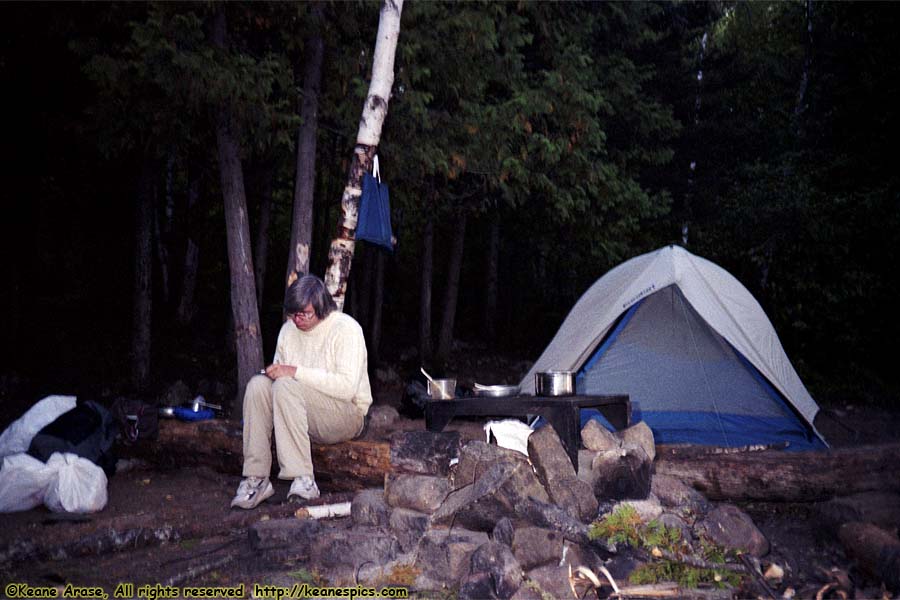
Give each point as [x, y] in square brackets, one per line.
[560, 411]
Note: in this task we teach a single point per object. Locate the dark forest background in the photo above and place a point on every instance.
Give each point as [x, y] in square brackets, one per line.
[539, 143]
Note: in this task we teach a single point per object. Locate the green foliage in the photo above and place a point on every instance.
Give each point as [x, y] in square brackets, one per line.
[624, 526]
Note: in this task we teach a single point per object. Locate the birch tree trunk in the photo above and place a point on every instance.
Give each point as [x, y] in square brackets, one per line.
[340, 255]
[425, 289]
[305, 183]
[244, 311]
[143, 272]
[451, 294]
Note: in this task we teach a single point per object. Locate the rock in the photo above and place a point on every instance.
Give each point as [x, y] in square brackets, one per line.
[339, 553]
[728, 526]
[647, 509]
[382, 416]
[551, 581]
[408, 526]
[673, 521]
[536, 546]
[598, 438]
[443, 557]
[529, 590]
[585, 458]
[684, 500]
[503, 532]
[424, 452]
[494, 495]
[550, 516]
[369, 508]
[495, 573]
[556, 473]
[639, 434]
[423, 493]
[551, 463]
[476, 457]
[284, 533]
[621, 474]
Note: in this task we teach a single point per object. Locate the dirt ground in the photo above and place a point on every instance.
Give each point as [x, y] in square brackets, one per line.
[174, 527]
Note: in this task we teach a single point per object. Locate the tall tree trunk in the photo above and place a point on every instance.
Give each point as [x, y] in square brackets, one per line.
[143, 279]
[244, 311]
[451, 294]
[305, 183]
[262, 232]
[185, 311]
[377, 302]
[340, 255]
[425, 289]
[800, 104]
[490, 284]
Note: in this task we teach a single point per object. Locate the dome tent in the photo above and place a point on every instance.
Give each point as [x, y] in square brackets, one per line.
[692, 348]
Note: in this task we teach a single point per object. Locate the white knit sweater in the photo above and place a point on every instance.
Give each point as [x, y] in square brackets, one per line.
[331, 358]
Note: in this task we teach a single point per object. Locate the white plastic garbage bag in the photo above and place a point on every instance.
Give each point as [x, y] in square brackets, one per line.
[509, 433]
[23, 482]
[80, 485]
[18, 435]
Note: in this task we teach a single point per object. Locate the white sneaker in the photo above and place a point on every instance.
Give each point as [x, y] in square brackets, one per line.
[252, 491]
[305, 487]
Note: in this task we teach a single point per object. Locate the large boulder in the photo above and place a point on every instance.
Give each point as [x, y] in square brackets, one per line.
[598, 438]
[422, 493]
[339, 553]
[443, 557]
[728, 526]
[408, 526]
[369, 508]
[557, 474]
[494, 573]
[476, 457]
[620, 474]
[494, 495]
[424, 452]
[639, 434]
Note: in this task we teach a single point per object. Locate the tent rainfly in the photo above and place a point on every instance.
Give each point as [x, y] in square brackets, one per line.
[692, 348]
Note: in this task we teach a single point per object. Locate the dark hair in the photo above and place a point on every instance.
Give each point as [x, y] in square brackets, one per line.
[309, 289]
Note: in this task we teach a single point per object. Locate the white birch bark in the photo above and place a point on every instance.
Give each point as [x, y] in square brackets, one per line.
[375, 109]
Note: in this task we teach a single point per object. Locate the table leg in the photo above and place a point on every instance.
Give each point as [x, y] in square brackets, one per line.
[437, 418]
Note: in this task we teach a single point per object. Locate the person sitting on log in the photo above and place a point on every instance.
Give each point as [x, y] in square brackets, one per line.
[316, 389]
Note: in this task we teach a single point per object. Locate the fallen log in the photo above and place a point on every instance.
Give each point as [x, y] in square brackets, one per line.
[778, 476]
[218, 444]
[876, 551]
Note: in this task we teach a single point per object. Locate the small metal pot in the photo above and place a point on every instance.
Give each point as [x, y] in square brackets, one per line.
[554, 383]
[442, 389]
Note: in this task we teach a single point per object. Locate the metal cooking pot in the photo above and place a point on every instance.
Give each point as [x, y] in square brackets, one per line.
[442, 389]
[554, 383]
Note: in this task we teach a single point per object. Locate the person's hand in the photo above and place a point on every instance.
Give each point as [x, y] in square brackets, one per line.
[276, 371]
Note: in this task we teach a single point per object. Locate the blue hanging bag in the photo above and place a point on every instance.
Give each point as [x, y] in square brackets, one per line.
[374, 222]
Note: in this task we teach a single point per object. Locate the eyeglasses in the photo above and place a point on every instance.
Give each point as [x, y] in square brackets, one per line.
[307, 315]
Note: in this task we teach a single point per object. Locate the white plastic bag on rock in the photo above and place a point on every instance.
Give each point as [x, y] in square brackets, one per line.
[18, 435]
[23, 482]
[509, 433]
[80, 486]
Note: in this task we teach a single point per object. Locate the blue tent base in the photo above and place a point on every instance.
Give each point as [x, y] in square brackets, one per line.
[727, 430]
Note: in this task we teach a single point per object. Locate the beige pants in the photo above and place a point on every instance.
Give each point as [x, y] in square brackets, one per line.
[297, 414]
